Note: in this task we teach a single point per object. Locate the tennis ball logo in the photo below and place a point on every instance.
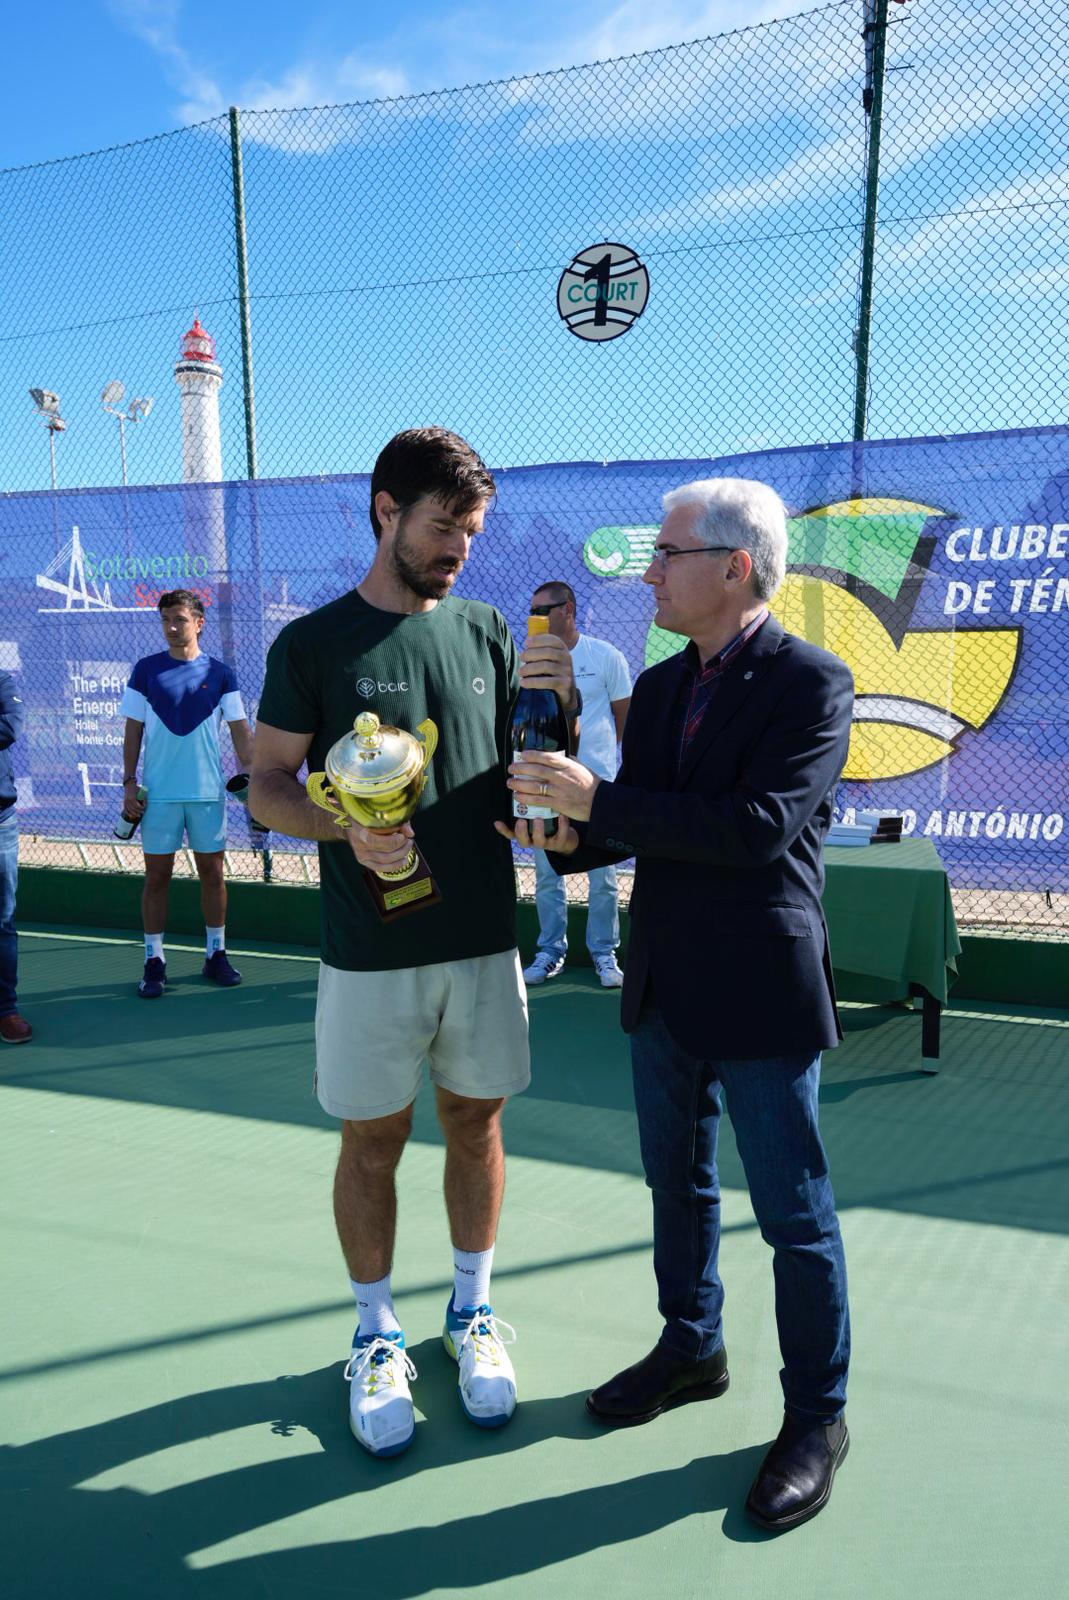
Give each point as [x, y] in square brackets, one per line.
[619, 552]
[855, 579]
[603, 292]
[913, 700]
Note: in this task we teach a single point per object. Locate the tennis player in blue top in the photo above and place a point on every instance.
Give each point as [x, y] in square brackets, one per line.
[176, 702]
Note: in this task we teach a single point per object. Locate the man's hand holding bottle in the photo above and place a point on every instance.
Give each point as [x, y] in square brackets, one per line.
[132, 803]
[546, 663]
[541, 728]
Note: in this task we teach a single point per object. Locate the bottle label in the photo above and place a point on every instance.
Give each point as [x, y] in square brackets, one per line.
[520, 808]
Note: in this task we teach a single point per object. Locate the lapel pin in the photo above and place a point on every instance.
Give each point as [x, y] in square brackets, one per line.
[747, 676]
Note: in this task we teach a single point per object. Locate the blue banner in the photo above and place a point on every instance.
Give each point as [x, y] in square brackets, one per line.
[937, 568]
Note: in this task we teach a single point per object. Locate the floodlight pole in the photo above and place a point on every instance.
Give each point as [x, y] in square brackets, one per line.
[875, 35]
[122, 445]
[52, 453]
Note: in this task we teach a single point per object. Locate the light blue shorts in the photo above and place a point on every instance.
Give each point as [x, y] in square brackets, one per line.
[165, 822]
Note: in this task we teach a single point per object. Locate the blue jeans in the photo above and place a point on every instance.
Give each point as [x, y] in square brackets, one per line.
[773, 1106]
[9, 943]
[602, 915]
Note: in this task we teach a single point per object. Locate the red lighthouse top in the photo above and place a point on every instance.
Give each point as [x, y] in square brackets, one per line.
[197, 343]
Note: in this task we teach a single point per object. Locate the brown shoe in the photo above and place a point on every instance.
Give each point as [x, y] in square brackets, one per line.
[15, 1029]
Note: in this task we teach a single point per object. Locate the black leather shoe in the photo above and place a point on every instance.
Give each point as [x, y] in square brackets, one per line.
[655, 1384]
[796, 1476]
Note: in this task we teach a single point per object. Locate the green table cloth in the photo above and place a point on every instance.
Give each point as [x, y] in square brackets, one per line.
[890, 921]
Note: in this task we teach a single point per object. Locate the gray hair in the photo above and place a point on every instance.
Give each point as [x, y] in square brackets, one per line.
[744, 514]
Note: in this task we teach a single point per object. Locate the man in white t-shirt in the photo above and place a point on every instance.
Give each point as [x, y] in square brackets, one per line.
[604, 681]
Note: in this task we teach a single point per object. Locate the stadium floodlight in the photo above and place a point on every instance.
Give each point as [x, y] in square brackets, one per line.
[47, 403]
[110, 397]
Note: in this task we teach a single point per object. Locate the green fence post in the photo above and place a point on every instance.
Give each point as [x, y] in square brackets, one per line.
[243, 290]
[876, 35]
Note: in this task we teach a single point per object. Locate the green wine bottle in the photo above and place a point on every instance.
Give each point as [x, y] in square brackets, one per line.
[538, 723]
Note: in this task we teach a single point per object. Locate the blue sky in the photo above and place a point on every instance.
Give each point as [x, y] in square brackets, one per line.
[405, 251]
[110, 71]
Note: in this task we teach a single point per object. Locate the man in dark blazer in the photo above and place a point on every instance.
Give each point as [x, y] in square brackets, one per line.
[730, 759]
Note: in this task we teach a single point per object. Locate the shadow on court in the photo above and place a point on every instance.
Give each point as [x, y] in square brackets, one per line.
[112, 1540]
[898, 1138]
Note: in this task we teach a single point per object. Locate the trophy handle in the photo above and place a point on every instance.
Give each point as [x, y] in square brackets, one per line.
[429, 734]
[318, 789]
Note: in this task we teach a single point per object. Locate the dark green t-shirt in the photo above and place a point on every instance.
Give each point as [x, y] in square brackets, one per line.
[457, 665]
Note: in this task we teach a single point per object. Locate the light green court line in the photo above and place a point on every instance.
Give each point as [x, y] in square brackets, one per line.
[74, 937]
[270, 955]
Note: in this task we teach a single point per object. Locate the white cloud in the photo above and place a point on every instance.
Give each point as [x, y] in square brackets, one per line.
[968, 248]
[465, 43]
[1033, 285]
[304, 85]
[637, 25]
[155, 23]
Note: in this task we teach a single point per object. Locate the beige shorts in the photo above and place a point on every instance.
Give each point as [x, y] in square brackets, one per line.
[374, 1030]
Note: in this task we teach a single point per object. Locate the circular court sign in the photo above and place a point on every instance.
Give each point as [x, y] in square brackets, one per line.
[603, 292]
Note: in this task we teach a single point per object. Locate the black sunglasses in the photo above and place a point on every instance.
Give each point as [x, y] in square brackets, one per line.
[543, 611]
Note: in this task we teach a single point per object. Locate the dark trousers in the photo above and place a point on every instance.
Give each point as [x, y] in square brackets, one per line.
[773, 1106]
[9, 877]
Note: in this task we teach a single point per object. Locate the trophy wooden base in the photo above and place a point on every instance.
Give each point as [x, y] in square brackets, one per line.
[396, 897]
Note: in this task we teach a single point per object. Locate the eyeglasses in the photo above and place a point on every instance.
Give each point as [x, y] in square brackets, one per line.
[543, 611]
[663, 554]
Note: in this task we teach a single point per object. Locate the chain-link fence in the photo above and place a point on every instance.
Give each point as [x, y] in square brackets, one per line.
[404, 265]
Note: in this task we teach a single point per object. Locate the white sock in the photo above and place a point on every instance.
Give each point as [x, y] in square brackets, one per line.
[374, 1305]
[216, 938]
[471, 1278]
[154, 946]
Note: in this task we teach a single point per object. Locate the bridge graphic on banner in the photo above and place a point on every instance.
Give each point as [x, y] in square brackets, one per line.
[81, 593]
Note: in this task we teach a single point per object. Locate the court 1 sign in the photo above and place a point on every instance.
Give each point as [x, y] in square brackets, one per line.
[603, 292]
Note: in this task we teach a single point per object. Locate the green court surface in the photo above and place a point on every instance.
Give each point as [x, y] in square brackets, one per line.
[176, 1317]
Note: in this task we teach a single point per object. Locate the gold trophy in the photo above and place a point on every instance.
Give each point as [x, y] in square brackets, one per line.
[376, 775]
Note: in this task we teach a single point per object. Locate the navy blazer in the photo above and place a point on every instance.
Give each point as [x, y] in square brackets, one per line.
[727, 926]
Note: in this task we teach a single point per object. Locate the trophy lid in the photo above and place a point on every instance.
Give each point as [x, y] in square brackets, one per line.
[374, 758]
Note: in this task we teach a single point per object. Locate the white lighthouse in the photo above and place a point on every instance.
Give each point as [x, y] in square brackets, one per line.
[200, 377]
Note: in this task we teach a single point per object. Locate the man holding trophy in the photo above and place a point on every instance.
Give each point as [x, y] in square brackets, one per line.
[398, 696]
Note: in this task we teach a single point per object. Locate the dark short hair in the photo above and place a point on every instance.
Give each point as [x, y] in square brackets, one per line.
[181, 597]
[558, 588]
[431, 461]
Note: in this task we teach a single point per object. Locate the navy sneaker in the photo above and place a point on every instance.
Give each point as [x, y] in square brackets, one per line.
[219, 970]
[152, 984]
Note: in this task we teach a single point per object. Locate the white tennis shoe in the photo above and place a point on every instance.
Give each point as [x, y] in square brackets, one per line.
[381, 1415]
[487, 1382]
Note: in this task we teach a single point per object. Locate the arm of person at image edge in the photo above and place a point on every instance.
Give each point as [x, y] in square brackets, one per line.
[277, 797]
[789, 769]
[10, 726]
[133, 706]
[10, 711]
[233, 710]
